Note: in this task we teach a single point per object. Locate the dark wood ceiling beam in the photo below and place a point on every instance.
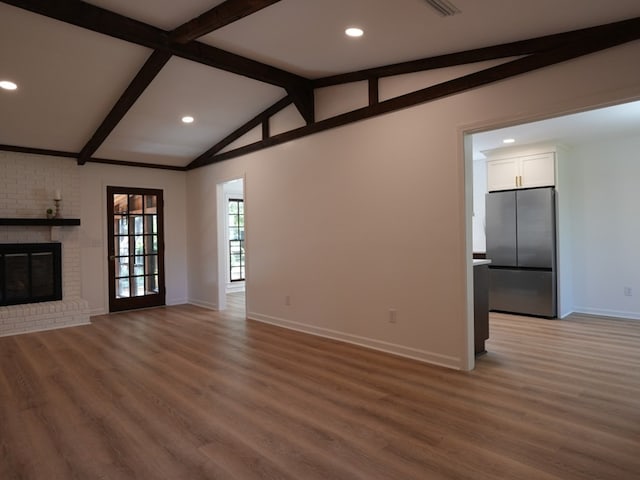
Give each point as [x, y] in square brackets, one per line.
[96, 19]
[230, 62]
[259, 119]
[63, 154]
[124, 163]
[374, 95]
[227, 12]
[495, 52]
[304, 99]
[37, 151]
[627, 32]
[141, 81]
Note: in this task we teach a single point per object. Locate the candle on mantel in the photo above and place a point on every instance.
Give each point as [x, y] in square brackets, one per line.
[57, 195]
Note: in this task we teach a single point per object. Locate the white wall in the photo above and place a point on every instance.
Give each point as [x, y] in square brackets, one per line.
[605, 226]
[94, 181]
[371, 216]
[479, 192]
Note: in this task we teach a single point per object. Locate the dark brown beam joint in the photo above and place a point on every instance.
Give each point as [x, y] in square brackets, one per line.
[304, 100]
[141, 81]
[219, 16]
[265, 129]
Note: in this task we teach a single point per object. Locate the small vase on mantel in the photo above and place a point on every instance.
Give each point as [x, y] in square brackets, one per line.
[50, 214]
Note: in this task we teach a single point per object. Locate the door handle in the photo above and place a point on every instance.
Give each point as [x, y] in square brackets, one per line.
[112, 257]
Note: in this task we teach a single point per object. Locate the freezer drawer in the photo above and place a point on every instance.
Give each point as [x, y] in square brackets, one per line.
[529, 292]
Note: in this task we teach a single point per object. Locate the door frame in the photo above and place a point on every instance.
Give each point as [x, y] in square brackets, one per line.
[147, 301]
[221, 213]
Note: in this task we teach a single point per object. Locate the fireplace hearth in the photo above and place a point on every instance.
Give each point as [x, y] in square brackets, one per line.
[30, 273]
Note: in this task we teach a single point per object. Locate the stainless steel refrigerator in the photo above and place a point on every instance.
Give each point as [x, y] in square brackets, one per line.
[521, 244]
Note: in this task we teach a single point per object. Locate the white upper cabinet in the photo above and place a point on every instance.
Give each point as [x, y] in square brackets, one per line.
[521, 172]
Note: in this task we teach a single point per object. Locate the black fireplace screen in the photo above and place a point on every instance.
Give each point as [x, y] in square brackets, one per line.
[30, 273]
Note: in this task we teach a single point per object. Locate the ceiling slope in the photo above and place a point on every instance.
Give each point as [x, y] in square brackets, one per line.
[118, 99]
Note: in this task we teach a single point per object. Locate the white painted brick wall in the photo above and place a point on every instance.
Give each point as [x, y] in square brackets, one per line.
[27, 187]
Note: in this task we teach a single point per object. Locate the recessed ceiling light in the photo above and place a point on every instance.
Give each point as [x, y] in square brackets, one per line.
[354, 32]
[509, 140]
[187, 119]
[7, 85]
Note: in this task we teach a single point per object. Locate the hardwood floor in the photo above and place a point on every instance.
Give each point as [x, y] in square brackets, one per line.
[236, 302]
[186, 393]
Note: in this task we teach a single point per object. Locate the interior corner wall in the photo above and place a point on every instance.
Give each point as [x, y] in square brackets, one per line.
[94, 181]
[605, 226]
[355, 221]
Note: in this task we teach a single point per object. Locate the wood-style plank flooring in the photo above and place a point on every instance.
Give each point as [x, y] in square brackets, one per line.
[186, 393]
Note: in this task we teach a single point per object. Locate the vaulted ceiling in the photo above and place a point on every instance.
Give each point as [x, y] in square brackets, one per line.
[109, 80]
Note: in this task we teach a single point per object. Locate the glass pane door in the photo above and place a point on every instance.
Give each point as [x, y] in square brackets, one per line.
[135, 254]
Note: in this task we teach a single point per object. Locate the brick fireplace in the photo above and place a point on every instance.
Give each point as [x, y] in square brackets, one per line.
[27, 186]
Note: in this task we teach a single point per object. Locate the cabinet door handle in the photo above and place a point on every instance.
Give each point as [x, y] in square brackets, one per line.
[516, 180]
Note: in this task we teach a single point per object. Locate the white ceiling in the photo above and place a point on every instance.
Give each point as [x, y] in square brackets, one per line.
[69, 78]
[568, 130]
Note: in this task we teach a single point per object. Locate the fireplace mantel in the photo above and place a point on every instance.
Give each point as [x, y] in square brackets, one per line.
[41, 222]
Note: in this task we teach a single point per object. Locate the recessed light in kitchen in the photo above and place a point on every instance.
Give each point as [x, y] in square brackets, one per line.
[509, 140]
[187, 119]
[8, 85]
[354, 32]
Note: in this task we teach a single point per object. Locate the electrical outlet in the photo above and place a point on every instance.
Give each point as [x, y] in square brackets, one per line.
[393, 315]
[627, 292]
[287, 300]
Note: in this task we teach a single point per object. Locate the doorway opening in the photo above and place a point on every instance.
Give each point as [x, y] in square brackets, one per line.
[592, 196]
[231, 246]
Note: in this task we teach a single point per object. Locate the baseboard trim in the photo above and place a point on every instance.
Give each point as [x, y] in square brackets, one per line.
[203, 304]
[607, 313]
[46, 329]
[176, 301]
[395, 349]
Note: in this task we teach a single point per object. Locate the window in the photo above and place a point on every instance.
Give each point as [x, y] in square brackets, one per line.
[236, 239]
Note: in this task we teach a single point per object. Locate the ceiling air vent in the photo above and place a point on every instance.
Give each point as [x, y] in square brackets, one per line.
[443, 7]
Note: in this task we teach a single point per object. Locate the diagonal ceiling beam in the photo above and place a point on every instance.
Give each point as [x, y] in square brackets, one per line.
[141, 81]
[494, 52]
[240, 131]
[624, 32]
[227, 12]
[85, 15]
